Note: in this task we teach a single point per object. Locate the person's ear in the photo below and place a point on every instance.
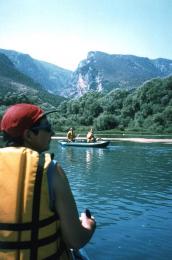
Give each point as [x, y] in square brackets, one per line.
[27, 136]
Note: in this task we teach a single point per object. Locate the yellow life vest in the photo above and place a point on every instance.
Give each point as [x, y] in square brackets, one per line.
[29, 230]
[71, 135]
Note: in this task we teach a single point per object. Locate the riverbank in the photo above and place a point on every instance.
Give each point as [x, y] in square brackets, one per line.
[128, 139]
[125, 139]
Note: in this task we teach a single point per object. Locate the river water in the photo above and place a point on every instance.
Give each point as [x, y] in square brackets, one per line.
[128, 188]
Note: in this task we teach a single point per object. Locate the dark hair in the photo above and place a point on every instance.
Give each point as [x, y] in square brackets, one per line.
[12, 141]
[17, 141]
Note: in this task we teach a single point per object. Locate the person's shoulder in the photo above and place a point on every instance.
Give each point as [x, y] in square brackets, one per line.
[60, 174]
[60, 181]
[57, 169]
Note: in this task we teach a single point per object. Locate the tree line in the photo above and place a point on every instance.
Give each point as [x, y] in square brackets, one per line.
[147, 109]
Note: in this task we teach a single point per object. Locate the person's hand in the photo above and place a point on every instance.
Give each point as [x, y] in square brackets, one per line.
[87, 222]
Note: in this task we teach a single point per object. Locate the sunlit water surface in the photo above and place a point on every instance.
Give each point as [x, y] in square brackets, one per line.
[128, 188]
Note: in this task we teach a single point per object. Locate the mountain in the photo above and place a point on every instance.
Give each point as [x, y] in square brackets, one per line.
[52, 78]
[16, 86]
[100, 72]
[104, 72]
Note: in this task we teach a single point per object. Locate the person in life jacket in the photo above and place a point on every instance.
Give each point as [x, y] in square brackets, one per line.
[38, 214]
[71, 135]
[90, 136]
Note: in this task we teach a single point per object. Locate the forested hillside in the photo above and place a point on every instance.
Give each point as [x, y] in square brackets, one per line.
[146, 109]
[15, 87]
[51, 77]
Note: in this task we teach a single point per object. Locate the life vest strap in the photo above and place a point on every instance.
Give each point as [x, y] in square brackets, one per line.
[56, 255]
[28, 225]
[36, 207]
[28, 244]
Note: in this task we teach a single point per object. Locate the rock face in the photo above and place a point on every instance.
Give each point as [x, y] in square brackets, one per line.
[104, 72]
[17, 86]
[52, 78]
[100, 72]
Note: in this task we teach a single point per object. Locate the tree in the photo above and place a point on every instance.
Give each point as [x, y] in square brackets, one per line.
[105, 121]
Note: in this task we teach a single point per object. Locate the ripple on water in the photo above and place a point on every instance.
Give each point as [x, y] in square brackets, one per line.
[128, 188]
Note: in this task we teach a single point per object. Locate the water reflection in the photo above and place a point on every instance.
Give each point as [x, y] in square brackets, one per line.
[124, 172]
[68, 153]
[121, 182]
[89, 155]
[93, 152]
[81, 155]
[128, 187]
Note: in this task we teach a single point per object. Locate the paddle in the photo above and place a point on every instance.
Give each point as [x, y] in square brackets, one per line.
[88, 213]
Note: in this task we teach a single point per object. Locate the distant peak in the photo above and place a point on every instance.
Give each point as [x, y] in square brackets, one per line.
[95, 53]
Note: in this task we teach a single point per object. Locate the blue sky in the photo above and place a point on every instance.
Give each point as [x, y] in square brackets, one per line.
[62, 32]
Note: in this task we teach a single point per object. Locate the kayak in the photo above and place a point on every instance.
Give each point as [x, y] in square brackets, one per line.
[98, 144]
